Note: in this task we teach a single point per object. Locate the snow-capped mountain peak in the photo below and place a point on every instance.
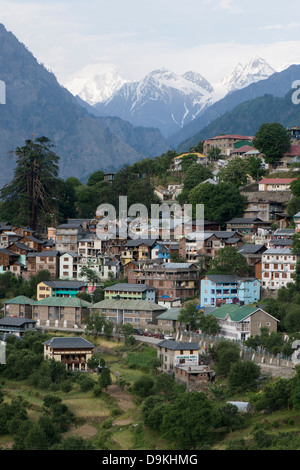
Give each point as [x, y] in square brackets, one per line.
[245, 74]
[96, 83]
[199, 80]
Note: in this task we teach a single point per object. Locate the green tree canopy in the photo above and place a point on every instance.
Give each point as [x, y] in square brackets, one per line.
[187, 161]
[195, 175]
[243, 376]
[190, 316]
[235, 172]
[225, 353]
[273, 140]
[222, 202]
[229, 261]
[95, 178]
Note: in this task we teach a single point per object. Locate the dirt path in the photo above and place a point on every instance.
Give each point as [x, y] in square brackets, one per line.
[124, 400]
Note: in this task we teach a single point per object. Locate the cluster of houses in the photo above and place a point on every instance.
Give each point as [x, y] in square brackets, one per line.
[161, 272]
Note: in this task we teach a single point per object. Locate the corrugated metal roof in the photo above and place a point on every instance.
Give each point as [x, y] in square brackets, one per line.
[278, 251]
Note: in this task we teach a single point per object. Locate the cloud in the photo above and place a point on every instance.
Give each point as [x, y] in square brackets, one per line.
[288, 26]
[229, 5]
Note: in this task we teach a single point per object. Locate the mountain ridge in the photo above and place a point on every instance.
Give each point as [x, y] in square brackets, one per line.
[37, 104]
[278, 85]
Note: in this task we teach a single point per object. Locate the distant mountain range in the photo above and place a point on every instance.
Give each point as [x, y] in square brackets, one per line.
[247, 117]
[205, 126]
[37, 104]
[163, 99]
[186, 108]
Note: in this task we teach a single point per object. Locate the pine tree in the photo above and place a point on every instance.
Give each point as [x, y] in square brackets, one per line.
[31, 194]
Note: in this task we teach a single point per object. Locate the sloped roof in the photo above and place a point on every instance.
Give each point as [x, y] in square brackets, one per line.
[20, 299]
[170, 314]
[249, 248]
[236, 313]
[124, 286]
[276, 180]
[177, 345]
[63, 302]
[126, 304]
[65, 284]
[73, 342]
[15, 321]
[278, 251]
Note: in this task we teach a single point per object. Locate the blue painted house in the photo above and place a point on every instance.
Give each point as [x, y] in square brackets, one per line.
[160, 251]
[228, 289]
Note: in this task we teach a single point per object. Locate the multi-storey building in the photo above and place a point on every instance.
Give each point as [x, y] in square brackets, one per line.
[177, 353]
[169, 279]
[137, 249]
[68, 265]
[225, 143]
[60, 289]
[73, 352]
[240, 322]
[64, 312]
[198, 244]
[67, 236]
[220, 289]
[278, 268]
[47, 259]
[89, 245]
[139, 313]
[130, 291]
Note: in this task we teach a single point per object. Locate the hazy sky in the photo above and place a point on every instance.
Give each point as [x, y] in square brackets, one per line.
[207, 36]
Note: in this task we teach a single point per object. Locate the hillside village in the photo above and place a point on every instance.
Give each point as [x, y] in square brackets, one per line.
[163, 272]
[149, 282]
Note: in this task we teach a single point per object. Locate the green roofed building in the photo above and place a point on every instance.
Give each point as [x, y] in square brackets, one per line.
[19, 306]
[137, 312]
[67, 312]
[62, 312]
[169, 319]
[240, 322]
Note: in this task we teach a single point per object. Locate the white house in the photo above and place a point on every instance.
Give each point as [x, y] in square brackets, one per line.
[68, 264]
[275, 184]
[278, 267]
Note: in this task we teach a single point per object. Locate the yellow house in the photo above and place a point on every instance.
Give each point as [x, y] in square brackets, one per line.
[60, 289]
[200, 159]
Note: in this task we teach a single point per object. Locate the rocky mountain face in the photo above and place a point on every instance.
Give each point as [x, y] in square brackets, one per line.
[37, 104]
